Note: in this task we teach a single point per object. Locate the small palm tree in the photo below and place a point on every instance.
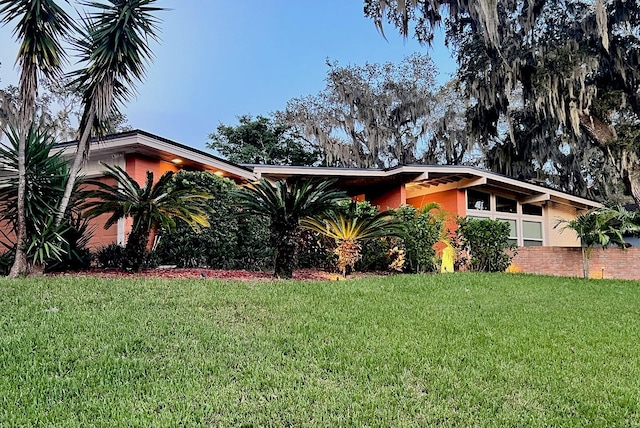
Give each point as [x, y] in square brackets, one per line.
[41, 24]
[600, 226]
[151, 206]
[114, 45]
[350, 231]
[285, 204]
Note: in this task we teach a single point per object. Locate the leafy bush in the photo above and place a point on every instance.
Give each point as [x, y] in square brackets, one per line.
[111, 257]
[486, 244]
[76, 255]
[230, 242]
[421, 230]
[6, 260]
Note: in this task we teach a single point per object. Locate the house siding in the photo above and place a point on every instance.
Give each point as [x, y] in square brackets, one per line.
[390, 199]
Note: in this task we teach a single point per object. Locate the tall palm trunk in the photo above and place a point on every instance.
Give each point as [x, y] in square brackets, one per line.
[81, 152]
[28, 90]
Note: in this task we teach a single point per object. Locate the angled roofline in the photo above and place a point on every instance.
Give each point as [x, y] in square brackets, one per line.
[164, 144]
[423, 172]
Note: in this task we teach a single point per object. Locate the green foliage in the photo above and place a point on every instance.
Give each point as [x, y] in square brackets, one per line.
[75, 255]
[422, 229]
[486, 243]
[601, 226]
[6, 260]
[285, 203]
[349, 231]
[152, 206]
[231, 241]
[46, 176]
[262, 141]
[111, 257]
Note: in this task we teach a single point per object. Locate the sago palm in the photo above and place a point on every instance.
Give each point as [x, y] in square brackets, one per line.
[151, 206]
[114, 45]
[285, 203]
[41, 25]
[350, 231]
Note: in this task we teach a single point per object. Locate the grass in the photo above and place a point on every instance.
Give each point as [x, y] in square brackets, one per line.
[451, 350]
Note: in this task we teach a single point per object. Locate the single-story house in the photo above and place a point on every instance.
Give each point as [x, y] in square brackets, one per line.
[530, 209]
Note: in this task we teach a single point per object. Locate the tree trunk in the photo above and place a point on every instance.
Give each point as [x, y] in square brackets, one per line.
[630, 167]
[286, 252]
[81, 152]
[585, 261]
[20, 265]
[136, 248]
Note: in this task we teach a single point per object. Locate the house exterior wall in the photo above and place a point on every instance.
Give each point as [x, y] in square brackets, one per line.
[556, 236]
[389, 199]
[452, 201]
[102, 237]
[610, 263]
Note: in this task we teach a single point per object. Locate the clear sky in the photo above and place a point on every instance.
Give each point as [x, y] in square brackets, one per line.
[219, 59]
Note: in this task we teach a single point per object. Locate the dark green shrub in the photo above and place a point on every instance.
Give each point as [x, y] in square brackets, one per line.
[6, 260]
[315, 251]
[421, 230]
[486, 244]
[111, 257]
[230, 243]
[76, 255]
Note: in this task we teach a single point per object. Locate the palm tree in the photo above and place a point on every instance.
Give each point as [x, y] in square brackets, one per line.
[151, 206]
[41, 25]
[600, 226]
[46, 175]
[115, 46]
[349, 231]
[285, 204]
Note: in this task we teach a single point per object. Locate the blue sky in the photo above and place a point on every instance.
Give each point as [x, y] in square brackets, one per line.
[220, 59]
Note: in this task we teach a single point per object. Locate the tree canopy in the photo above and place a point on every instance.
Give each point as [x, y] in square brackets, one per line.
[562, 73]
[378, 115]
[262, 141]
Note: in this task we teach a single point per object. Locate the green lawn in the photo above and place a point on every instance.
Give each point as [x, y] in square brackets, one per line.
[459, 350]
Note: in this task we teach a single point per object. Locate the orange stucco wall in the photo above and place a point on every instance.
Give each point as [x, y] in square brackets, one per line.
[452, 201]
[101, 236]
[391, 198]
[137, 167]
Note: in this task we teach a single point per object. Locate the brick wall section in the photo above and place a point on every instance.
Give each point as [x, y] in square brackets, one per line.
[613, 263]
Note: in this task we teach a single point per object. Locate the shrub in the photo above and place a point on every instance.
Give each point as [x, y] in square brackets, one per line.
[230, 242]
[486, 244]
[421, 230]
[76, 255]
[111, 257]
[6, 260]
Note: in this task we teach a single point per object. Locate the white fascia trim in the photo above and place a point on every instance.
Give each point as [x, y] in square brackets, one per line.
[127, 141]
[261, 170]
[555, 194]
[196, 157]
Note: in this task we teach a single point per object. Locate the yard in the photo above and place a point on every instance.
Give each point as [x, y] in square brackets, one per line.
[458, 349]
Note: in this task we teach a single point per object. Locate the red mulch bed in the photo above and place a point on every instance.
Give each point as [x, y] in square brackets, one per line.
[177, 273]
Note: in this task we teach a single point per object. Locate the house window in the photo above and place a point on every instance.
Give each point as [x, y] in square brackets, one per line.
[532, 233]
[528, 209]
[506, 205]
[478, 200]
[513, 230]
[525, 220]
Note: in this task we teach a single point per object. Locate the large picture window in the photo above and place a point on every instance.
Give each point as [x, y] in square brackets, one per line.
[525, 222]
